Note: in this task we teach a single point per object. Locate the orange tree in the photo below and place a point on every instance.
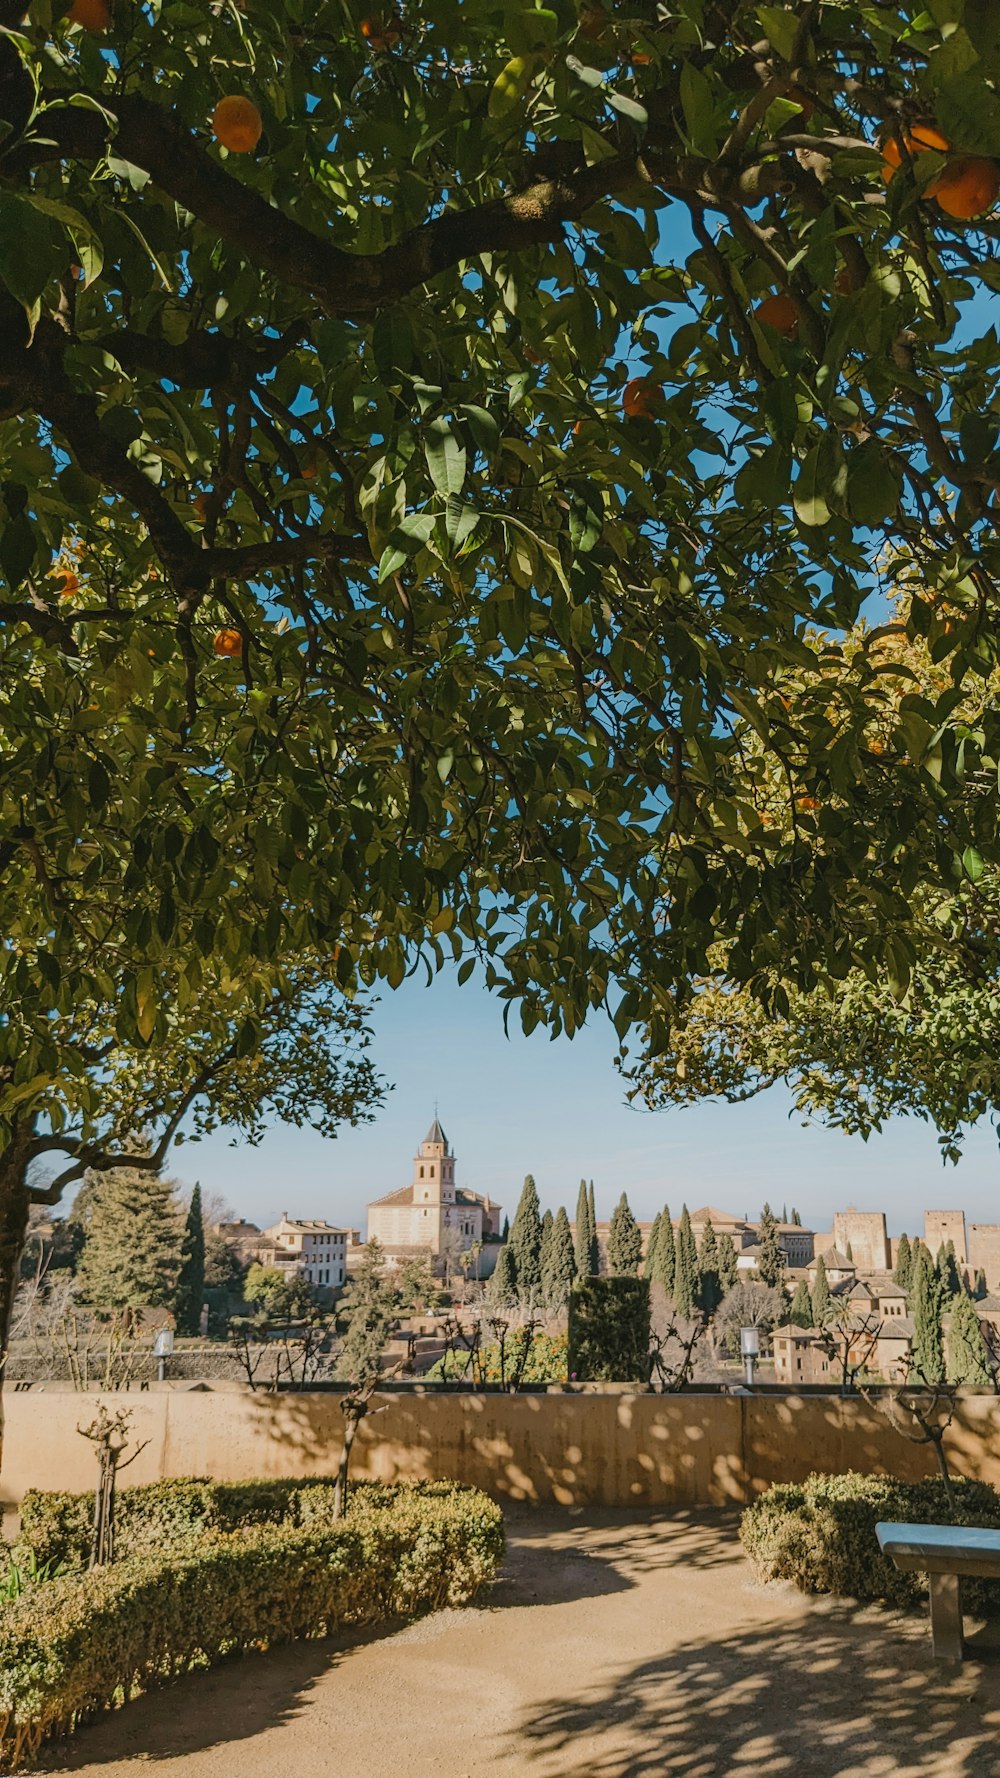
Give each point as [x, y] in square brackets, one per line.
[315, 338]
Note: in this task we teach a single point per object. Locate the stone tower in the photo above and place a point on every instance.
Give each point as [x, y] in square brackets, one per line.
[865, 1232]
[434, 1170]
[942, 1226]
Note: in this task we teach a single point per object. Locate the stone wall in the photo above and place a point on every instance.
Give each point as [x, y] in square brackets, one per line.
[942, 1226]
[588, 1448]
[864, 1232]
[984, 1251]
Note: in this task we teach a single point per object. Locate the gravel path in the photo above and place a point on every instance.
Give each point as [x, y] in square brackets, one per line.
[611, 1647]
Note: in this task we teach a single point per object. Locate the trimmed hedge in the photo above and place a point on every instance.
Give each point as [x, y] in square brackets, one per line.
[821, 1534]
[160, 1516]
[84, 1643]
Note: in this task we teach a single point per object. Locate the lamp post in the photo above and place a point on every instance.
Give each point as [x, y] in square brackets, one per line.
[163, 1347]
[750, 1348]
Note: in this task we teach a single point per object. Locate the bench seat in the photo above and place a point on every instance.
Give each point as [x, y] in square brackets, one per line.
[944, 1553]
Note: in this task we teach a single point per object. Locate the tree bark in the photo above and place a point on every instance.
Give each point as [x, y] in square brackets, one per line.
[14, 1208]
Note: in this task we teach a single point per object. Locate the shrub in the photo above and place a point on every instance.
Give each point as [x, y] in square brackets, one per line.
[545, 1363]
[609, 1330]
[86, 1642]
[821, 1534]
[160, 1516]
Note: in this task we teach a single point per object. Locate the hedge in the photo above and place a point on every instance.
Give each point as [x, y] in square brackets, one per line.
[609, 1335]
[160, 1516]
[84, 1643]
[820, 1534]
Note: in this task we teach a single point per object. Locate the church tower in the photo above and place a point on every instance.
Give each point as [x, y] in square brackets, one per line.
[434, 1170]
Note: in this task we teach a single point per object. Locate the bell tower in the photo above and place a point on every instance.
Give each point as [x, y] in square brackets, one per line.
[434, 1169]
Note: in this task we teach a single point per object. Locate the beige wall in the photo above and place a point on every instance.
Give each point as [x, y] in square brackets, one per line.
[613, 1449]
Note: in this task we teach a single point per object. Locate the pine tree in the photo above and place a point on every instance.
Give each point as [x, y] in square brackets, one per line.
[526, 1243]
[133, 1251]
[649, 1263]
[927, 1351]
[191, 1289]
[822, 1301]
[770, 1258]
[966, 1352]
[369, 1311]
[595, 1251]
[624, 1242]
[904, 1262]
[686, 1268]
[501, 1288]
[666, 1253]
[582, 1246]
[560, 1270]
[710, 1291]
[728, 1269]
[801, 1312]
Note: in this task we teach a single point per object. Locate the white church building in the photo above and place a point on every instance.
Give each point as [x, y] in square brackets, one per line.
[418, 1215]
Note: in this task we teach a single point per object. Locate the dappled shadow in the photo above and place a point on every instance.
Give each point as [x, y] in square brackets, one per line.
[850, 1690]
[635, 1543]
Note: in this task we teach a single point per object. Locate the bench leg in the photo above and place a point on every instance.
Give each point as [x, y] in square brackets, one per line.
[946, 1616]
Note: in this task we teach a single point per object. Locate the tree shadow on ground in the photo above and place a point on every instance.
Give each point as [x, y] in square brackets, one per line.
[852, 1692]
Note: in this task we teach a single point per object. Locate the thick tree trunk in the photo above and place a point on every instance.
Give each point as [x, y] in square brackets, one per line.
[14, 1208]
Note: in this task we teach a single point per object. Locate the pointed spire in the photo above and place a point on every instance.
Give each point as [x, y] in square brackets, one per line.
[436, 1134]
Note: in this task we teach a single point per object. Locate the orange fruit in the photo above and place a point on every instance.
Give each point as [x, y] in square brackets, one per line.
[381, 35]
[641, 58]
[237, 124]
[227, 643]
[918, 140]
[200, 504]
[807, 803]
[642, 399]
[93, 15]
[309, 470]
[778, 311]
[967, 187]
[70, 584]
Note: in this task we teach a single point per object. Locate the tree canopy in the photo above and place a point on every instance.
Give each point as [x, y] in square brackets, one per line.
[487, 421]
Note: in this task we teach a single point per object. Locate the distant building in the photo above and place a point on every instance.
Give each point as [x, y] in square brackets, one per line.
[432, 1211]
[862, 1236]
[315, 1250]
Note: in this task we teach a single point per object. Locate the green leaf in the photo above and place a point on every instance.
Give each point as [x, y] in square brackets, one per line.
[972, 864]
[511, 84]
[780, 28]
[698, 104]
[446, 457]
[89, 250]
[809, 493]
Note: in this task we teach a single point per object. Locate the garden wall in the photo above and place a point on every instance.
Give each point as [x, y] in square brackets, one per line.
[593, 1448]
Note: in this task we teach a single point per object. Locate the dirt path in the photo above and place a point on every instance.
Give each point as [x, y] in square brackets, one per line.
[612, 1647]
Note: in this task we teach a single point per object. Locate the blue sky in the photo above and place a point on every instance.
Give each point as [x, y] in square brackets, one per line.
[516, 1105]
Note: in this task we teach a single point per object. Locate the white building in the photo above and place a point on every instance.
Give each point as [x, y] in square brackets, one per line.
[420, 1214]
[316, 1250]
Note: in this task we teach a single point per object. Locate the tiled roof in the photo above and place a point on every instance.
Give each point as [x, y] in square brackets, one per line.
[403, 1196]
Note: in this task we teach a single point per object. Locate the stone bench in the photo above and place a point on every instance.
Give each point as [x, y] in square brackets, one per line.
[944, 1553]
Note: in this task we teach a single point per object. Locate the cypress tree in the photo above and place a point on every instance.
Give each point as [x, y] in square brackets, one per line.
[666, 1253]
[560, 1270]
[582, 1232]
[904, 1262]
[796, 1220]
[624, 1242]
[966, 1352]
[981, 1288]
[686, 1268]
[133, 1251]
[191, 1289]
[526, 1242]
[501, 1288]
[728, 1270]
[784, 1213]
[771, 1258]
[822, 1301]
[925, 1307]
[949, 1276]
[544, 1249]
[595, 1251]
[710, 1292]
[649, 1264]
[505, 1231]
[801, 1312]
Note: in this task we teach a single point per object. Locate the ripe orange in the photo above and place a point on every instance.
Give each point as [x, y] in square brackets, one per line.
[381, 35]
[227, 643]
[918, 140]
[642, 399]
[93, 15]
[309, 470]
[967, 187]
[807, 803]
[778, 311]
[237, 124]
